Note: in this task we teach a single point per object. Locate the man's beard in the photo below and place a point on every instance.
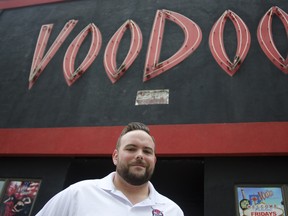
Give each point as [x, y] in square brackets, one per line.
[132, 178]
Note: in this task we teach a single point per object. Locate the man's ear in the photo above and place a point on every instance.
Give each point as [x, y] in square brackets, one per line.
[115, 157]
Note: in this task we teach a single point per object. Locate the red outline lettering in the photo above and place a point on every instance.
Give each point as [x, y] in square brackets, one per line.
[70, 74]
[217, 45]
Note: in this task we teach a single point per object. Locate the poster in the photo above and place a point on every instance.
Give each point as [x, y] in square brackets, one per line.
[260, 201]
[18, 197]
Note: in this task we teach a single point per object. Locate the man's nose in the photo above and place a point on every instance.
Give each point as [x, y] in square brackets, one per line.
[139, 155]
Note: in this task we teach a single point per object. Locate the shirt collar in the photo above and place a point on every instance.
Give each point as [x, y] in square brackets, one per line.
[107, 184]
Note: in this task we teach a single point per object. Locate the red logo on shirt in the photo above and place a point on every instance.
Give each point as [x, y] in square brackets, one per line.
[157, 212]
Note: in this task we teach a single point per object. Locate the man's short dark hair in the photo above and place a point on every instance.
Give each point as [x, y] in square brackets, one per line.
[131, 127]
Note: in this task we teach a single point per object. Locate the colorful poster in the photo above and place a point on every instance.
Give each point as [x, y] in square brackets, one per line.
[260, 201]
[18, 197]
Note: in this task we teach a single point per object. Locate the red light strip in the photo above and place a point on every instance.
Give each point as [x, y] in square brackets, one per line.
[39, 62]
[70, 74]
[193, 37]
[110, 54]
[217, 46]
[265, 38]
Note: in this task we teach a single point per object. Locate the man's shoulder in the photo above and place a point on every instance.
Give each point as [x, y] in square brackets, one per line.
[85, 182]
[160, 198]
[90, 183]
[164, 199]
[164, 202]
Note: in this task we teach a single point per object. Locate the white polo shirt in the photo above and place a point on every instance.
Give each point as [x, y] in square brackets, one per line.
[99, 197]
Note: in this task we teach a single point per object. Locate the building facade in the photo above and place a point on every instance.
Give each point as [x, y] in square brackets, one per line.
[209, 78]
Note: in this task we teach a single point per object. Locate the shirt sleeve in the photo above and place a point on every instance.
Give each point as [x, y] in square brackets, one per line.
[178, 211]
[181, 213]
[62, 204]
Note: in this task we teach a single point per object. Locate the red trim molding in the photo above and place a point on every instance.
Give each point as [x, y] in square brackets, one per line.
[236, 139]
[6, 4]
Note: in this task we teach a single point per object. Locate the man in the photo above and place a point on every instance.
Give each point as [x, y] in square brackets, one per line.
[127, 191]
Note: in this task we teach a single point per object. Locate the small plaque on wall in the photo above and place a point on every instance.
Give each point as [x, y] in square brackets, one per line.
[260, 200]
[150, 97]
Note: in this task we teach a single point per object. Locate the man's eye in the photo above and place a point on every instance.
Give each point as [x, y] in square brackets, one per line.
[148, 152]
[131, 149]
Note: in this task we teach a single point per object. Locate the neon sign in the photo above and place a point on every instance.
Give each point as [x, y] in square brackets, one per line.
[153, 68]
